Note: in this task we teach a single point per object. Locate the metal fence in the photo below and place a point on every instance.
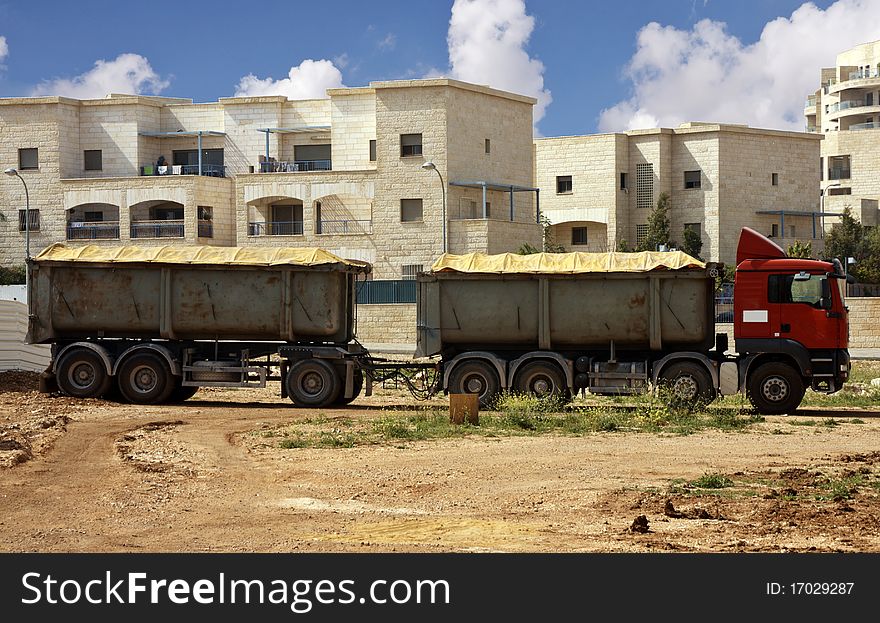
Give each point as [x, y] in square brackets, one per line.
[386, 291]
[157, 229]
[105, 230]
[295, 165]
[276, 228]
[345, 227]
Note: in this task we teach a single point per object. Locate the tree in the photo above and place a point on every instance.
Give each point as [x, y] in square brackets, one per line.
[693, 244]
[868, 270]
[623, 246]
[658, 225]
[11, 275]
[549, 245]
[845, 238]
[800, 249]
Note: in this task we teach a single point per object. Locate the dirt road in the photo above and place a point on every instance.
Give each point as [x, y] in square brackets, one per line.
[200, 477]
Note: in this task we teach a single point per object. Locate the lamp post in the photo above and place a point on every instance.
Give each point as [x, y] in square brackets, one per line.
[27, 223]
[430, 166]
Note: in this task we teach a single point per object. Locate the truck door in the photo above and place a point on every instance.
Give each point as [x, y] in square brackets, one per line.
[804, 304]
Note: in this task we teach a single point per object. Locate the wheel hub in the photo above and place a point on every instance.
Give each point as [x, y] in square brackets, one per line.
[82, 375]
[145, 379]
[775, 389]
[684, 387]
[312, 383]
[474, 385]
[542, 387]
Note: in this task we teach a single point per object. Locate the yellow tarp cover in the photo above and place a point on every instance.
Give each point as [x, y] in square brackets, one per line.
[237, 256]
[566, 263]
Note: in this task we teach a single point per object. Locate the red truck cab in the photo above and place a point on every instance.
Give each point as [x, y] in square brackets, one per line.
[790, 324]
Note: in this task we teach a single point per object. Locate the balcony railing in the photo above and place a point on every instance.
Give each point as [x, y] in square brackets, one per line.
[295, 166]
[276, 228]
[157, 229]
[811, 102]
[206, 229]
[345, 227]
[863, 126]
[386, 291]
[861, 75]
[846, 105]
[210, 170]
[812, 128]
[105, 230]
[838, 173]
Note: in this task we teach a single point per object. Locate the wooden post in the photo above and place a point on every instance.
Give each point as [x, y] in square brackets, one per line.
[464, 407]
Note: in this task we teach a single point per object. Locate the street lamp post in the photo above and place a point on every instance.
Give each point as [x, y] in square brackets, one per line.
[430, 166]
[27, 223]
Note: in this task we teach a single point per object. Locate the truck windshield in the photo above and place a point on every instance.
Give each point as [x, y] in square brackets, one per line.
[786, 289]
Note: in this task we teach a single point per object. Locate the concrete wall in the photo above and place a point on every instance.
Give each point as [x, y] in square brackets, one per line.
[386, 324]
[864, 322]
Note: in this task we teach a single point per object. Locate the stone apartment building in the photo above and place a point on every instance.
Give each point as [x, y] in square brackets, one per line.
[343, 173]
[846, 109]
[600, 189]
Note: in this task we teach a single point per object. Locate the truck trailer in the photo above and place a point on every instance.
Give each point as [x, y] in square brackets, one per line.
[622, 323]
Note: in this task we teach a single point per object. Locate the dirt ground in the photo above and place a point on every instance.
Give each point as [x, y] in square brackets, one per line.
[97, 476]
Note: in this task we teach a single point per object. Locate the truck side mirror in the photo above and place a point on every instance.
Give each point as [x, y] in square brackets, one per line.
[826, 302]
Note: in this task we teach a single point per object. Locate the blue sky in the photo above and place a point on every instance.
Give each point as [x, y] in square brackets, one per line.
[203, 50]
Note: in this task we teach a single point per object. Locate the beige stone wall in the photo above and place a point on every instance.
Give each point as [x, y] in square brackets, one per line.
[386, 324]
[696, 152]
[864, 322]
[353, 122]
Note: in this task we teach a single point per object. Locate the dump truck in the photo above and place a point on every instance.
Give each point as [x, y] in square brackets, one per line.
[622, 323]
[154, 324]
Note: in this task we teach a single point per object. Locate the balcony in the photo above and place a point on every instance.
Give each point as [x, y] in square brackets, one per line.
[295, 166]
[846, 105]
[345, 227]
[864, 126]
[276, 228]
[810, 103]
[157, 229]
[210, 170]
[811, 128]
[105, 230]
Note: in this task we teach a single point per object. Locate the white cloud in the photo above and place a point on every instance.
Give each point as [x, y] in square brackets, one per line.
[342, 60]
[127, 73]
[707, 74]
[388, 42]
[4, 50]
[309, 80]
[487, 45]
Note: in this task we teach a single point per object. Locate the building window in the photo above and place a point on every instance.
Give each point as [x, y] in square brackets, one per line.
[641, 233]
[623, 181]
[774, 179]
[578, 236]
[838, 168]
[410, 271]
[697, 227]
[821, 168]
[563, 184]
[32, 224]
[410, 145]
[644, 185]
[774, 230]
[792, 233]
[373, 150]
[93, 217]
[92, 160]
[692, 179]
[206, 221]
[28, 159]
[410, 210]
[488, 146]
[840, 191]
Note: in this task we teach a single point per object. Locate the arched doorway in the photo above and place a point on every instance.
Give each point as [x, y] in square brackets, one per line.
[276, 216]
[343, 214]
[156, 219]
[93, 221]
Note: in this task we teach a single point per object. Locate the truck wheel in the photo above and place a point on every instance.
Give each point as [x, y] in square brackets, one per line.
[688, 384]
[775, 388]
[542, 379]
[144, 379]
[358, 386]
[81, 374]
[475, 377]
[313, 383]
[180, 393]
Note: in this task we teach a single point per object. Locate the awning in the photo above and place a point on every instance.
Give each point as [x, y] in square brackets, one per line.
[486, 185]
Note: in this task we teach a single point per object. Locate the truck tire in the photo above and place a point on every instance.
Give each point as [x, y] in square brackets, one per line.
[358, 386]
[475, 377]
[313, 383]
[775, 388]
[688, 384]
[542, 379]
[81, 374]
[181, 393]
[144, 379]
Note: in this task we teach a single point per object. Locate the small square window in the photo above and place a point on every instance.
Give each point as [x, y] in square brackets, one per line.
[563, 184]
[774, 179]
[692, 179]
[623, 181]
[410, 271]
[28, 159]
[774, 230]
[578, 236]
[92, 160]
[373, 150]
[32, 224]
[410, 210]
[488, 146]
[410, 145]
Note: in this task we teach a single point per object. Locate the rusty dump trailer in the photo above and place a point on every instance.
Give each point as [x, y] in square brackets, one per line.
[158, 322]
[560, 323]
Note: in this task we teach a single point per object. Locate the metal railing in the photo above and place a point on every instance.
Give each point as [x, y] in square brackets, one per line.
[345, 227]
[210, 170]
[386, 292]
[206, 229]
[862, 75]
[295, 166]
[846, 105]
[157, 229]
[811, 102]
[811, 128]
[863, 126]
[839, 173]
[105, 230]
[276, 228]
